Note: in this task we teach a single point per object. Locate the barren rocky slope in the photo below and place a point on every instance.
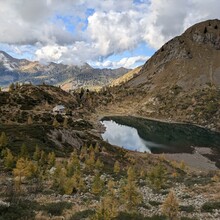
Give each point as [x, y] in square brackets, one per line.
[180, 82]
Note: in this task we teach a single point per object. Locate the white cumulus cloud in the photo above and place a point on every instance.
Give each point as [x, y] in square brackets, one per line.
[75, 31]
[114, 32]
[127, 62]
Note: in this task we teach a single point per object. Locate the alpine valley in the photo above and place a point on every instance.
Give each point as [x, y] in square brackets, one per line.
[60, 152]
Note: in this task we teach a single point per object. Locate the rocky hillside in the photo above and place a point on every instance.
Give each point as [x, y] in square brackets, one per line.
[181, 80]
[126, 77]
[68, 76]
[27, 117]
[55, 166]
[189, 61]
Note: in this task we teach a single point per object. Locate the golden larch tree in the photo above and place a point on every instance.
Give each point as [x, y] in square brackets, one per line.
[170, 206]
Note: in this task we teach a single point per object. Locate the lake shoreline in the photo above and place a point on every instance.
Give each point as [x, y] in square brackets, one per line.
[182, 138]
[169, 121]
[195, 161]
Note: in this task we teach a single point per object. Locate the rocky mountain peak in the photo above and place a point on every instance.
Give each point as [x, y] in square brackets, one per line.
[207, 32]
[193, 55]
[86, 66]
[5, 55]
[21, 70]
[8, 62]
[182, 79]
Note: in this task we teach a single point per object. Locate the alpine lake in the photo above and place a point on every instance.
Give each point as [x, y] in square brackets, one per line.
[145, 135]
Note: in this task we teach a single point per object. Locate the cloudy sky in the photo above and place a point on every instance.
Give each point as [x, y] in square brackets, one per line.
[104, 33]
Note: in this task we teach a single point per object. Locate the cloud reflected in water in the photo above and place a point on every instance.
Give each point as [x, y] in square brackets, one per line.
[124, 136]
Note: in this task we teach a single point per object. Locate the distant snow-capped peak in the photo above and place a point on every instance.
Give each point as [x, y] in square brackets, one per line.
[8, 62]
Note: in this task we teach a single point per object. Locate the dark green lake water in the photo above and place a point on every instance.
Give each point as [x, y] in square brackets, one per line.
[157, 137]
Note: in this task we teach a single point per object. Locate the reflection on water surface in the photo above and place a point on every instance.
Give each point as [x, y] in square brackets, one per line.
[142, 135]
[125, 136]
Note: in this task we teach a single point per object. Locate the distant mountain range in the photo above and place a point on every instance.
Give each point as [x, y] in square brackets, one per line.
[68, 76]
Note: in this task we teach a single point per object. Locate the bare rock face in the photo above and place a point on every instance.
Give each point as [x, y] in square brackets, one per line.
[207, 32]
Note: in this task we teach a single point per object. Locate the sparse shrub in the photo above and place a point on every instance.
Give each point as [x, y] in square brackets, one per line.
[154, 203]
[187, 218]
[82, 214]
[155, 217]
[57, 208]
[212, 107]
[210, 206]
[188, 208]
[176, 89]
[137, 216]
[19, 209]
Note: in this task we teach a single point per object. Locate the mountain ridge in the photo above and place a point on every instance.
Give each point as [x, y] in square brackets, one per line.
[200, 36]
[180, 82]
[21, 70]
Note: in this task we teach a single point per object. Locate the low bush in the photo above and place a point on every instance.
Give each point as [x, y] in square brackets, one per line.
[210, 206]
[137, 216]
[188, 208]
[21, 209]
[156, 217]
[56, 208]
[129, 216]
[187, 218]
[154, 203]
[82, 214]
